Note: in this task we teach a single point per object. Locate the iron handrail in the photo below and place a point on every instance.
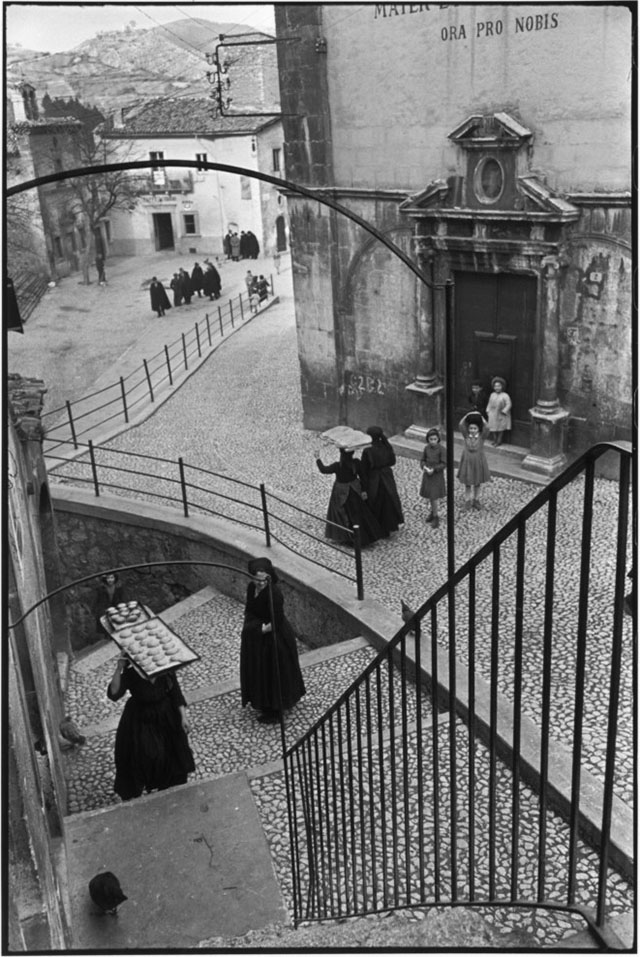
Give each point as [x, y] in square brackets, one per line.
[188, 502]
[397, 845]
[190, 338]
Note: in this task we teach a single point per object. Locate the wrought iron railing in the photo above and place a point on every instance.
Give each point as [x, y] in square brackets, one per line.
[190, 488]
[447, 790]
[120, 401]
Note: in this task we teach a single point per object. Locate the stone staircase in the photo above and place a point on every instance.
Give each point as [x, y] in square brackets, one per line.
[223, 837]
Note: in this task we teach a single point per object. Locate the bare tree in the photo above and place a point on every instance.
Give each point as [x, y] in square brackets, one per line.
[94, 196]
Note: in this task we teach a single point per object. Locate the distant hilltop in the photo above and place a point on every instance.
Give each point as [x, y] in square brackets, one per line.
[118, 68]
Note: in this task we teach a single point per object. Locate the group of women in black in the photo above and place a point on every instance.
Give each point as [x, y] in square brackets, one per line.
[201, 282]
[364, 493]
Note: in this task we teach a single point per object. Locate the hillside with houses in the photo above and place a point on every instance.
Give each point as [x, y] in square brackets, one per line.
[117, 69]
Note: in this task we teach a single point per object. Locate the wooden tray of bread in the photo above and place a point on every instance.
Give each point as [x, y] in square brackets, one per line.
[146, 639]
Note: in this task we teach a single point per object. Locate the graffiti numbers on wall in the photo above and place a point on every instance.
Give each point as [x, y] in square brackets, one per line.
[360, 385]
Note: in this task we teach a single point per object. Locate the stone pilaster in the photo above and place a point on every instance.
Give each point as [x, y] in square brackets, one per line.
[548, 419]
[427, 387]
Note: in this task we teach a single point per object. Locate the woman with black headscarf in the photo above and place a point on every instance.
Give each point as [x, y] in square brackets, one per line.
[347, 505]
[270, 676]
[376, 473]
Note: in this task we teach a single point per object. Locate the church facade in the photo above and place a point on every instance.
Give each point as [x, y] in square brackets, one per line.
[491, 144]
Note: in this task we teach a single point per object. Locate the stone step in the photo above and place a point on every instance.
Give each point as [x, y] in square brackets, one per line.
[505, 461]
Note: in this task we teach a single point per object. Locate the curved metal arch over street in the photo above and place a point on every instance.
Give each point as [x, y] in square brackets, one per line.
[318, 196]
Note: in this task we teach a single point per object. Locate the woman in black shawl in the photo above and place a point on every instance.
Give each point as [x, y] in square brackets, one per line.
[159, 298]
[270, 676]
[211, 282]
[347, 506]
[376, 473]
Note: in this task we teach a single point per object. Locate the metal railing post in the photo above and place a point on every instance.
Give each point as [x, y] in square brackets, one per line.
[198, 341]
[241, 309]
[166, 352]
[94, 470]
[357, 550]
[271, 282]
[146, 369]
[124, 400]
[183, 486]
[184, 351]
[231, 313]
[71, 425]
[220, 321]
[265, 514]
[208, 327]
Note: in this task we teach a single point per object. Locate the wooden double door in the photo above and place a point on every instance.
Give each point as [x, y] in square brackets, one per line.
[495, 323]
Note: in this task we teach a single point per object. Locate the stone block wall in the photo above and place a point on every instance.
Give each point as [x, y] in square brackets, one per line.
[100, 533]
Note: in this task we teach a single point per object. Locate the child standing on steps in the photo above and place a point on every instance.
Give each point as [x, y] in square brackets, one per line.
[474, 468]
[433, 464]
[499, 410]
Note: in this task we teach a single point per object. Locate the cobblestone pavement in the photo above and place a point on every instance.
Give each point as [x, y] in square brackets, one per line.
[240, 414]
[226, 738]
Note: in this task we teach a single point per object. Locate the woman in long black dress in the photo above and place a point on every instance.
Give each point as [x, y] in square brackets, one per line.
[270, 675]
[152, 748]
[376, 472]
[346, 505]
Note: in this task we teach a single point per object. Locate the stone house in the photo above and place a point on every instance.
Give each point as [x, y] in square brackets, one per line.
[491, 144]
[38, 146]
[189, 211]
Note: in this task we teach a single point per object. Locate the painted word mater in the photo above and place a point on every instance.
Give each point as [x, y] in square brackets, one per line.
[484, 28]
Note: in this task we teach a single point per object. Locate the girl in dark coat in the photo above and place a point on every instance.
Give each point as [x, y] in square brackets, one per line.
[270, 676]
[196, 279]
[433, 464]
[376, 473]
[110, 593]
[346, 504]
[152, 749]
[211, 283]
[159, 298]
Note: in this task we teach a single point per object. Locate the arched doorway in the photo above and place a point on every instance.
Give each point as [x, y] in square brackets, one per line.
[281, 234]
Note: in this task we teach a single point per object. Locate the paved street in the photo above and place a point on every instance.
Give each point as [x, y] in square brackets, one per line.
[240, 414]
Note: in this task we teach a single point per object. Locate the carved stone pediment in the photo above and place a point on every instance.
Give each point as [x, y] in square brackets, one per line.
[496, 184]
[494, 130]
[533, 200]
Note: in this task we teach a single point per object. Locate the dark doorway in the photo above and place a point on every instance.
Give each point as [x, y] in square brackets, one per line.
[163, 230]
[281, 235]
[495, 335]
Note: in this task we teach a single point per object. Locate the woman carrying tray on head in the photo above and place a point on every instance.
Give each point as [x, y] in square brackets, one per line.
[152, 749]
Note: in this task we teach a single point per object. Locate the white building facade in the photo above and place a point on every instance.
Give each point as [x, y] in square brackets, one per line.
[188, 210]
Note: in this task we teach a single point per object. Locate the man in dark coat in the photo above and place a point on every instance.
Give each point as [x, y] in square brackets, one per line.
[244, 245]
[226, 245]
[212, 283]
[186, 286]
[176, 285]
[253, 245]
[196, 279]
[159, 298]
[262, 288]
